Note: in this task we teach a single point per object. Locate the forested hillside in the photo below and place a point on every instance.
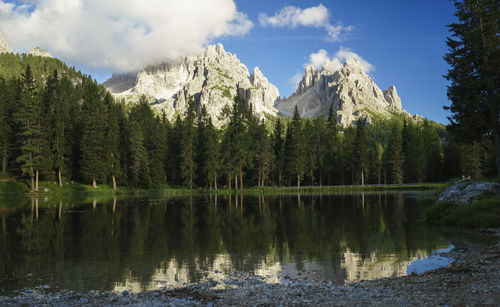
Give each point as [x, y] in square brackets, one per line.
[59, 125]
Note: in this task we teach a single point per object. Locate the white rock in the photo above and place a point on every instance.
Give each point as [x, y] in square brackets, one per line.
[468, 192]
[212, 78]
[40, 52]
[350, 90]
[4, 48]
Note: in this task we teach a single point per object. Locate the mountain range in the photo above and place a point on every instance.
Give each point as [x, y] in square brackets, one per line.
[214, 77]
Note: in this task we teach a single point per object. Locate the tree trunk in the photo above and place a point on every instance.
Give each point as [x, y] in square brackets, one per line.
[241, 177]
[36, 182]
[235, 182]
[114, 182]
[362, 177]
[60, 178]
[298, 181]
[229, 181]
[215, 182]
[4, 162]
[32, 183]
[496, 142]
[94, 184]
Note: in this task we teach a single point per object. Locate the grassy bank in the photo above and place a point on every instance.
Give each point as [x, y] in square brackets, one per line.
[51, 188]
[482, 213]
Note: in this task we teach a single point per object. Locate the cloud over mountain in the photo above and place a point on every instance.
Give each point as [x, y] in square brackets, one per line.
[315, 16]
[120, 35]
[321, 59]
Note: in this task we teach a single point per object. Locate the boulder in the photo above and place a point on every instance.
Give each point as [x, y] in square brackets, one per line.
[464, 193]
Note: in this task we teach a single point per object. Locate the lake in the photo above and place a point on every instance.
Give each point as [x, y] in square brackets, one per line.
[145, 243]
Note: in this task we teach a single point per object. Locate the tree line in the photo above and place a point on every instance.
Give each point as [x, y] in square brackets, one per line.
[71, 129]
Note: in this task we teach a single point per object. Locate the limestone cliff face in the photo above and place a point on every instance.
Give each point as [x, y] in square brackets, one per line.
[350, 91]
[212, 78]
[4, 48]
[40, 52]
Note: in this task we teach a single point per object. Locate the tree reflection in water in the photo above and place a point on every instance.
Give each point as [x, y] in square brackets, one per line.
[144, 243]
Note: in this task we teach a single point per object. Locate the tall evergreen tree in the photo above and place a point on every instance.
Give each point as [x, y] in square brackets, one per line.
[188, 146]
[360, 153]
[26, 115]
[396, 156]
[139, 166]
[263, 154]
[474, 57]
[278, 152]
[93, 156]
[333, 151]
[295, 149]
[112, 146]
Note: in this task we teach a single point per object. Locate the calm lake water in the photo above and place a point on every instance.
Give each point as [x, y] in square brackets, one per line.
[145, 243]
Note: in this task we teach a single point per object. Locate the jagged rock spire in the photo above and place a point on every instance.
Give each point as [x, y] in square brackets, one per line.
[4, 48]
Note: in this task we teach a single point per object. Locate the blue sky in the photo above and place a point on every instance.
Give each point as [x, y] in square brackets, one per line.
[404, 41]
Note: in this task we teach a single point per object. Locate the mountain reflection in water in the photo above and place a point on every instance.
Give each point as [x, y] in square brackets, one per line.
[145, 243]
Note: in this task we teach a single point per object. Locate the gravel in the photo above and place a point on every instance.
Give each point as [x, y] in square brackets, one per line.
[472, 279]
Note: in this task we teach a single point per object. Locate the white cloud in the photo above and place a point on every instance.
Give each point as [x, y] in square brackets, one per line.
[295, 79]
[316, 16]
[117, 34]
[321, 59]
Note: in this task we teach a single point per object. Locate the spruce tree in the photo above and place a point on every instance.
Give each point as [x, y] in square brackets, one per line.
[139, 164]
[396, 156]
[188, 146]
[93, 156]
[295, 149]
[474, 57]
[360, 153]
[26, 115]
[278, 152]
[263, 155]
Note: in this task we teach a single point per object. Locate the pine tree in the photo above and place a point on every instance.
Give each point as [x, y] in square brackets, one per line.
[278, 152]
[188, 146]
[26, 116]
[360, 153]
[396, 156]
[112, 146]
[432, 152]
[8, 100]
[208, 150]
[474, 57]
[263, 155]
[295, 149]
[93, 157]
[333, 162]
[158, 152]
[139, 167]
[174, 151]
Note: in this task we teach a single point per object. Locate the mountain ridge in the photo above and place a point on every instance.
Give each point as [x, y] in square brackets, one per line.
[350, 91]
[212, 78]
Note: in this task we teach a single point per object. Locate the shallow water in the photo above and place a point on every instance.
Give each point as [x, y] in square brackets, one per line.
[143, 243]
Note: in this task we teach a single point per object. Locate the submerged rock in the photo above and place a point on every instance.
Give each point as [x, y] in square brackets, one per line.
[467, 192]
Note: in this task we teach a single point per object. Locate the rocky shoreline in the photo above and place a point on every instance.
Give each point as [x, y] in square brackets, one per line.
[472, 279]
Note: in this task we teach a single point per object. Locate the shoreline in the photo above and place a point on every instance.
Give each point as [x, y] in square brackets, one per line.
[471, 279]
[16, 188]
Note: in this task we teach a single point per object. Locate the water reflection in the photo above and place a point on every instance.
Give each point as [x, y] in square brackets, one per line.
[145, 243]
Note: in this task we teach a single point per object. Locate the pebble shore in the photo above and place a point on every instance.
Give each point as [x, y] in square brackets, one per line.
[472, 279]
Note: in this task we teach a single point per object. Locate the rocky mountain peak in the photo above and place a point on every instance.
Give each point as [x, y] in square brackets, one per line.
[40, 52]
[4, 48]
[352, 93]
[211, 78]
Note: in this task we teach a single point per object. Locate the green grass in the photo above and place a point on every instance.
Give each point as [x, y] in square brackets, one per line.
[13, 187]
[52, 188]
[482, 213]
